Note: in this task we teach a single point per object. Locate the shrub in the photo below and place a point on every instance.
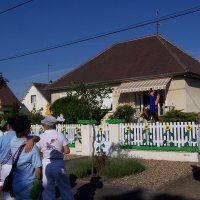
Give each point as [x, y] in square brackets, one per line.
[79, 168]
[74, 109]
[178, 116]
[119, 167]
[123, 112]
[35, 117]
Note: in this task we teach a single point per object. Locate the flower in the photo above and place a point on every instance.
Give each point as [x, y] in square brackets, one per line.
[63, 128]
[41, 128]
[146, 127]
[100, 129]
[77, 129]
[188, 128]
[128, 128]
[167, 128]
[31, 128]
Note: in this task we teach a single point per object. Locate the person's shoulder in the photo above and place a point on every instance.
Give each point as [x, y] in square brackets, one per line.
[14, 140]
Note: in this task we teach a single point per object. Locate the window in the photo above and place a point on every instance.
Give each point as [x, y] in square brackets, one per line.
[33, 99]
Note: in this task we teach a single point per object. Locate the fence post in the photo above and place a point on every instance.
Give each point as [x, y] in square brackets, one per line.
[114, 139]
[87, 137]
[198, 135]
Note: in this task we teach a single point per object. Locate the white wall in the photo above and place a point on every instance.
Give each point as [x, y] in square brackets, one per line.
[41, 102]
[176, 94]
[192, 95]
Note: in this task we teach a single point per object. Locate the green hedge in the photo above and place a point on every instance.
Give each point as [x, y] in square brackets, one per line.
[153, 148]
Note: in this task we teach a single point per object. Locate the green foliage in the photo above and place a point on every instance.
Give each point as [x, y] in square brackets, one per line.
[123, 112]
[72, 109]
[3, 81]
[92, 97]
[114, 167]
[35, 116]
[83, 104]
[178, 116]
[79, 168]
[119, 167]
[14, 110]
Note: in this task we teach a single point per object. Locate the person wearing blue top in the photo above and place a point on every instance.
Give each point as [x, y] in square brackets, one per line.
[5, 155]
[28, 171]
[153, 103]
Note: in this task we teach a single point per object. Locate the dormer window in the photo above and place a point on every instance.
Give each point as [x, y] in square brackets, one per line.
[33, 99]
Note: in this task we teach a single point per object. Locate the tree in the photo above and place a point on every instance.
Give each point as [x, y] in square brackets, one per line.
[72, 108]
[3, 81]
[93, 98]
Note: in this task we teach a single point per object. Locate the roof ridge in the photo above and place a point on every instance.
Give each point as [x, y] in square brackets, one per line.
[140, 38]
[98, 54]
[162, 40]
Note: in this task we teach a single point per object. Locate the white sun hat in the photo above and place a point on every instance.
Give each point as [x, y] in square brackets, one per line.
[49, 120]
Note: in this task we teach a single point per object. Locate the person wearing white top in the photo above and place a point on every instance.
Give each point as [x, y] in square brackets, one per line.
[53, 144]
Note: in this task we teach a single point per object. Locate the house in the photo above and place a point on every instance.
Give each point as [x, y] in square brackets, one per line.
[36, 97]
[7, 99]
[132, 67]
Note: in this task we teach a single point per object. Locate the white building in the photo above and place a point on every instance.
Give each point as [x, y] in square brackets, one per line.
[36, 97]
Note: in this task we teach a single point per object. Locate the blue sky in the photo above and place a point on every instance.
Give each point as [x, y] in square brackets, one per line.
[43, 23]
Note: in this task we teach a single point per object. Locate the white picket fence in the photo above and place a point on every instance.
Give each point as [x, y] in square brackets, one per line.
[69, 130]
[177, 134]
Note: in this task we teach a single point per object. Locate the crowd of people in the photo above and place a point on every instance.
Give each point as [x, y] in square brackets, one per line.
[35, 163]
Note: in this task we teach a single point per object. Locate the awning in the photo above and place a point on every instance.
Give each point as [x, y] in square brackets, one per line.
[136, 86]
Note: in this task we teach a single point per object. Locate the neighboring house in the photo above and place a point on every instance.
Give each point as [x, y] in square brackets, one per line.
[133, 67]
[36, 97]
[7, 99]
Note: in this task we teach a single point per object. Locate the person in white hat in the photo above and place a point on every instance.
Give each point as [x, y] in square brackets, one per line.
[53, 144]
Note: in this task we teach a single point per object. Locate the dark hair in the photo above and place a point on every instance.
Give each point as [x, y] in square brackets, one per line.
[20, 124]
[4, 128]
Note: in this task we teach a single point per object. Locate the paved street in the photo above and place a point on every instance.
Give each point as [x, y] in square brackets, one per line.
[187, 188]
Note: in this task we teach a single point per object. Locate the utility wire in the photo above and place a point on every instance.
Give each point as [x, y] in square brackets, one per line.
[134, 26]
[14, 7]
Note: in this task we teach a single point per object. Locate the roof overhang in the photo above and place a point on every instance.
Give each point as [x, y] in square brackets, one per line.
[145, 85]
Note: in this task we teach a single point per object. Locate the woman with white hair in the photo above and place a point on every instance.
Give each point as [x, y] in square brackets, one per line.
[53, 144]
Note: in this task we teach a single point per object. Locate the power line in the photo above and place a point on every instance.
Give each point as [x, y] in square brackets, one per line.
[134, 26]
[14, 7]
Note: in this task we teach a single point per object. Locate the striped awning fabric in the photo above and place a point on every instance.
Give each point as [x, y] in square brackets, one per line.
[136, 86]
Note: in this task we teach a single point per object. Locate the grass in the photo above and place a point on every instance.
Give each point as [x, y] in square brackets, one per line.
[79, 168]
[119, 167]
[114, 168]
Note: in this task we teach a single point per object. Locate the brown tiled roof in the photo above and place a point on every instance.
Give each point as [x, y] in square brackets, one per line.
[40, 87]
[7, 97]
[151, 56]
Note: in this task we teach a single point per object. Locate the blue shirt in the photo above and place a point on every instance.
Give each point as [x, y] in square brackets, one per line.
[5, 146]
[24, 174]
[152, 103]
